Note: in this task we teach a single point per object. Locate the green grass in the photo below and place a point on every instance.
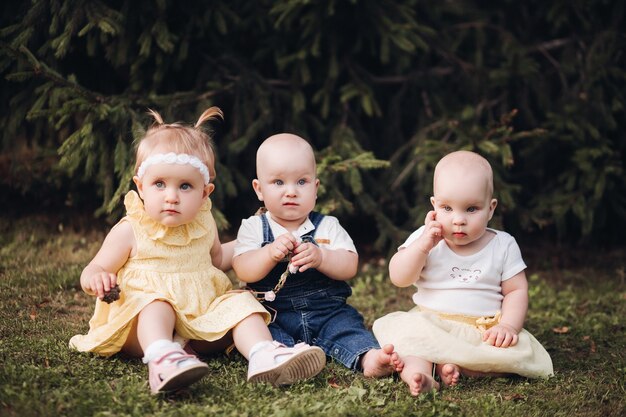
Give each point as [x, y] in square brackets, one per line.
[41, 307]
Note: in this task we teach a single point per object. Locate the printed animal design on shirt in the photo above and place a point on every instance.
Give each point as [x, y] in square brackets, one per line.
[465, 275]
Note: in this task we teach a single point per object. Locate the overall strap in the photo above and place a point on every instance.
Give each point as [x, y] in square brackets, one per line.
[315, 218]
[268, 236]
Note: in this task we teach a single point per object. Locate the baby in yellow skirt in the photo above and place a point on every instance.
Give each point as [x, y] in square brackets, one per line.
[163, 258]
[472, 293]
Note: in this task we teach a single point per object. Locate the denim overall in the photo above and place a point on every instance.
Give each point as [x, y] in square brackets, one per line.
[312, 308]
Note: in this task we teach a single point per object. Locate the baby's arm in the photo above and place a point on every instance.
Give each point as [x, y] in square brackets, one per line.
[514, 307]
[228, 250]
[338, 264]
[254, 265]
[217, 253]
[407, 264]
[99, 276]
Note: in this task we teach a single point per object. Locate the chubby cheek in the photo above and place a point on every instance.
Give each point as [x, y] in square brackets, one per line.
[443, 218]
[484, 221]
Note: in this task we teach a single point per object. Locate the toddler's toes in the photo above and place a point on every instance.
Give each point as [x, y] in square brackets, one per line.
[449, 374]
[420, 384]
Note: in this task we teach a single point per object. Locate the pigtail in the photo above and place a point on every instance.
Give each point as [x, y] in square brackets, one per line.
[180, 138]
[211, 113]
[157, 117]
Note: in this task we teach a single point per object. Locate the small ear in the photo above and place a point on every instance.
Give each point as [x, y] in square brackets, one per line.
[139, 184]
[492, 207]
[256, 185]
[208, 189]
[432, 201]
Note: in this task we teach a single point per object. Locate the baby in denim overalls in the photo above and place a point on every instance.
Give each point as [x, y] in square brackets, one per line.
[311, 304]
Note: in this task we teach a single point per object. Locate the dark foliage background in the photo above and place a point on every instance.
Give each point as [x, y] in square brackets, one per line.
[381, 88]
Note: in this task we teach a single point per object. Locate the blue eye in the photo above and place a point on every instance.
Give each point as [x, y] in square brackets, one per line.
[447, 208]
[301, 182]
[185, 187]
[472, 209]
[278, 182]
[159, 184]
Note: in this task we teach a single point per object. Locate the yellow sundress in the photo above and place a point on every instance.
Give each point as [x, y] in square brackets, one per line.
[171, 264]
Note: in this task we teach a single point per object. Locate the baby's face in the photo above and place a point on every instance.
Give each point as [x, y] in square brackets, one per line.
[172, 194]
[463, 205]
[287, 183]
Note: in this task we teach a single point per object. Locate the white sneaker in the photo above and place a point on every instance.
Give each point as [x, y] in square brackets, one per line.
[278, 364]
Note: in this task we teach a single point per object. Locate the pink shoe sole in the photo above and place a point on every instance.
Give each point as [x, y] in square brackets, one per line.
[302, 364]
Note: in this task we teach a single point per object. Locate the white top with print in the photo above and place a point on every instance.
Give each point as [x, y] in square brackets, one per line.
[469, 285]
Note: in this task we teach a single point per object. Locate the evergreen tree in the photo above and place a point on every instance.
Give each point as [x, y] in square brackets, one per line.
[382, 89]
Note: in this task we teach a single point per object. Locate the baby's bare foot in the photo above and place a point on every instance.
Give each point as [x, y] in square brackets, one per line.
[381, 362]
[419, 383]
[449, 374]
[397, 362]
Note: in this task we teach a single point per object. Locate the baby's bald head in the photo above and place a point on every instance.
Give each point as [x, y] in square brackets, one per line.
[284, 147]
[462, 165]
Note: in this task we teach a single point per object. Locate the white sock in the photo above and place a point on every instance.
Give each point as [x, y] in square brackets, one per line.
[180, 340]
[153, 350]
[257, 347]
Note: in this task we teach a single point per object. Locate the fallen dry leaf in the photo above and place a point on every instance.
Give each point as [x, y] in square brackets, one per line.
[592, 346]
[515, 397]
[560, 330]
[333, 383]
[42, 303]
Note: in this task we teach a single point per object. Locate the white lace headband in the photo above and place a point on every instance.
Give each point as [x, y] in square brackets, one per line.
[174, 158]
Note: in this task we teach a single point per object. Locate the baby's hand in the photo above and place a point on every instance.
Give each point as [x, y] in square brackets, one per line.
[307, 255]
[432, 233]
[501, 335]
[281, 246]
[101, 283]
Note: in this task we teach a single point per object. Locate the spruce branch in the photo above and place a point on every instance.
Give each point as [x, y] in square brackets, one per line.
[42, 70]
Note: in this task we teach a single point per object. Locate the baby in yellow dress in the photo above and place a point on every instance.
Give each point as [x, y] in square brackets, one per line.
[163, 257]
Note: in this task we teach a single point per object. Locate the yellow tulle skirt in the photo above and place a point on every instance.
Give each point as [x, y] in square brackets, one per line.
[441, 338]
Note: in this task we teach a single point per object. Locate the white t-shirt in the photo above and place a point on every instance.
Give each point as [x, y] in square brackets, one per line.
[330, 234]
[469, 285]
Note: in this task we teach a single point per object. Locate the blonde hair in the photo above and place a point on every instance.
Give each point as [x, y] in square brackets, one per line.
[179, 138]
